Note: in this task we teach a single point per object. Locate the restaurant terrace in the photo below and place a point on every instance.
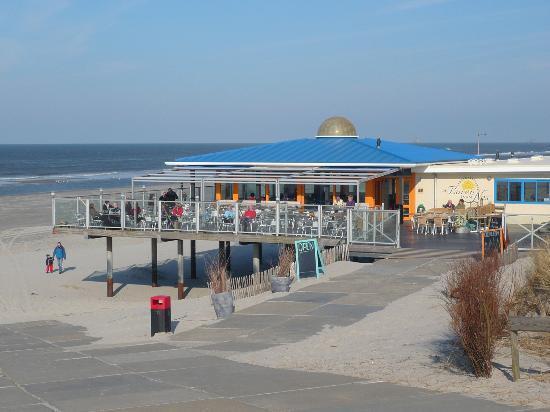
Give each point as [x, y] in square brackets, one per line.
[336, 187]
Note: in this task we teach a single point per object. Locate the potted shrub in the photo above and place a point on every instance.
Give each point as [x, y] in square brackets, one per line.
[219, 280]
[280, 282]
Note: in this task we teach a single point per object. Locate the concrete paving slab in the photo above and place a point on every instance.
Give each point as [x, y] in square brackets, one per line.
[208, 405]
[367, 299]
[237, 345]
[150, 356]
[295, 330]
[5, 382]
[243, 321]
[14, 397]
[365, 397]
[37, 366]
[355, 312]
[128, 349]
[312, 297]
[28, 408]
[237, 379]
[280, 308]
[112, 392]
[173, 364]
[339, 286]
[202, 334]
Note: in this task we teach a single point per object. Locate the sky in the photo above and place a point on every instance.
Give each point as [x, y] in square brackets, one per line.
[259, 71]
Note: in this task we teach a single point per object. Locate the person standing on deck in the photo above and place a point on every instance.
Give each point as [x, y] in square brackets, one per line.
[60, 255]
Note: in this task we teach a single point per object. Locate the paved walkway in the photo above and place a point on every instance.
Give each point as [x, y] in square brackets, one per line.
[50, 365]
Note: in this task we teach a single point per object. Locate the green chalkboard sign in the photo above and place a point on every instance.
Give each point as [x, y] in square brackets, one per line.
[309, 261]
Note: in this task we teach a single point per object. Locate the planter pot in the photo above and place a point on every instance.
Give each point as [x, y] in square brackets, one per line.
[280, 283]
[223, 304]
[462, 229]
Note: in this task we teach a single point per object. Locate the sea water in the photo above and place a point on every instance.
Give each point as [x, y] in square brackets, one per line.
[26, 169]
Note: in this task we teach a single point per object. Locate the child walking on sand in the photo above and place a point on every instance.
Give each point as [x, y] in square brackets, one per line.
[49, 264]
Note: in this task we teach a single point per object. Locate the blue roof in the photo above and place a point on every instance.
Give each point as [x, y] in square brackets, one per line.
[330, 150]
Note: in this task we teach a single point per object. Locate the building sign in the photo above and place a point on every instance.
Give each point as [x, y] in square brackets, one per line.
[467, 189]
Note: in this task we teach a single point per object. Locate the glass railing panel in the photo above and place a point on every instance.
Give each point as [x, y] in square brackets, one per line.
[260, 218]
[70, 212]
[300, 220]
[334, 221]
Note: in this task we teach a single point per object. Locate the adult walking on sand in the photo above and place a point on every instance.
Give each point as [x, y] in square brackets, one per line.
[60, 255]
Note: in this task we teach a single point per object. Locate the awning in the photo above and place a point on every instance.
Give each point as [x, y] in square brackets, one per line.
[344, 175]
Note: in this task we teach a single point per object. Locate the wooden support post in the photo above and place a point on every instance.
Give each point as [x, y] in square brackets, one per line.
[193, 260]
[109, 267]
[228, 255]
[181, 282]
[256, 257]
[515, 354]
[221, 252]
[154, 272]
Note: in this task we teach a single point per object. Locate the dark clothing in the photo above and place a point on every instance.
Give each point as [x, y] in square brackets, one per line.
[171, 196]
[49, 260]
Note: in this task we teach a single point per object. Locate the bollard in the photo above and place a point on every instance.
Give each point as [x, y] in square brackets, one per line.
[161, 317]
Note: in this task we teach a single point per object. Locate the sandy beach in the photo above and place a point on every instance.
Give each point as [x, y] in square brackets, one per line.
[77, 296]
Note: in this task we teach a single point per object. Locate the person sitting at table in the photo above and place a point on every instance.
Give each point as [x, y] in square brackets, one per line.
[229, 214]
[421, 208]
[350, 202]
[106, 206]
[338, 202]
[461, 204]
[449, 204]
[248, 217]
[177, 211]
[252, 196]
[94, 214]
[115, 208]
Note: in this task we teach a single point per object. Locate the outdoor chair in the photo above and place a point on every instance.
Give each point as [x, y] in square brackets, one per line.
[441, 224]
[422, 225]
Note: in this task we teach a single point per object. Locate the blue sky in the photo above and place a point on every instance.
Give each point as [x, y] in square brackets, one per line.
[258, 71]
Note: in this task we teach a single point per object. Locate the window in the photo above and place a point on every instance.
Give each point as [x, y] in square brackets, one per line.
[529, 191]
[522, 191]
[502, 191]
[543, 194]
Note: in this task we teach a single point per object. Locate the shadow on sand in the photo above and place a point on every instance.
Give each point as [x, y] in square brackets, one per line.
[241, 265]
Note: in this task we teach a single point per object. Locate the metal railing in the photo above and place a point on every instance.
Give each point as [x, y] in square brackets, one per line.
[527, 232]
[351, 225]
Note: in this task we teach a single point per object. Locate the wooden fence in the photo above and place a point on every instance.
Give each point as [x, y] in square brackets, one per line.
[257, 283]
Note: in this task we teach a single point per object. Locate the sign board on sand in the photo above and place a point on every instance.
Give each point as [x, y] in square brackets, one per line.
[309, 261]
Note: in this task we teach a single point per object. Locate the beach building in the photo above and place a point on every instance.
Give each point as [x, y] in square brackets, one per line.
[335, 186]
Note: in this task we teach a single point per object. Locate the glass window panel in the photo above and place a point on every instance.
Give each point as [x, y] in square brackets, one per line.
[529, 191]
[543, 194]
[502, 191]
[515, 192]
[288, 192]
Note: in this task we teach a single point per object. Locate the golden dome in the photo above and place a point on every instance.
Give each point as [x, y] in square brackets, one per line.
[337, 126]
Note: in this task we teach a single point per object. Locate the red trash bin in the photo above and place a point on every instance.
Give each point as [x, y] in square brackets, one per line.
[161, 316]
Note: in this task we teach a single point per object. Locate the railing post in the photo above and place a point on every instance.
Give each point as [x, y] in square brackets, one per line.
[123, 210]
[197, 216]
[398, 230]
[374, 228]
[349, 237]
[277, 215]
[87, 213]
[504, 226]
[52, 194]
[100, 199]
[159, 215]
[236, 220]
[319, 221]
